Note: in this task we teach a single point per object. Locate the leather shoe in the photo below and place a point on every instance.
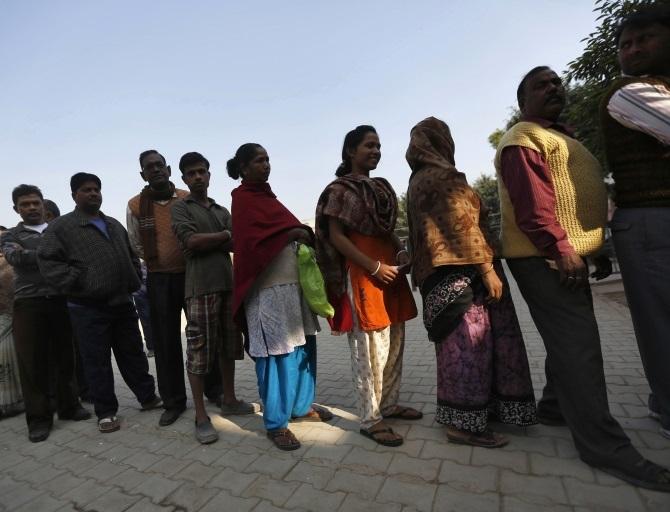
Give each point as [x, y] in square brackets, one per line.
[154, 403]
[78, 414]
[39, 433]
[169, 416]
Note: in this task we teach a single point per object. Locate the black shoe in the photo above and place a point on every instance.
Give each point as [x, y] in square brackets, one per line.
[78, 414]
[169, 416]
[154, 403]
[39, 433]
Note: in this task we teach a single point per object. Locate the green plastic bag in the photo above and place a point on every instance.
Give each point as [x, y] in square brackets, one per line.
[311, 282]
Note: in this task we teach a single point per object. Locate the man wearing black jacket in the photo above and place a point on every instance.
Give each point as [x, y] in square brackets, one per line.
[87, 257]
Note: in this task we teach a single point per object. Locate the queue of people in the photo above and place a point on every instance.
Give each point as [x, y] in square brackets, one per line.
[76, 275]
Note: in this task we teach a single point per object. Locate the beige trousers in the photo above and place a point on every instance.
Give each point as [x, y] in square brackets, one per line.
[376, 364]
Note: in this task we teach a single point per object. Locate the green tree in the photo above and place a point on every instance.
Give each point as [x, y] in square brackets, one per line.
[487, 188]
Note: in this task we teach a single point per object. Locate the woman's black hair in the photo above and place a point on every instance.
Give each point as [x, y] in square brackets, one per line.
[351, 142]
[244, 154]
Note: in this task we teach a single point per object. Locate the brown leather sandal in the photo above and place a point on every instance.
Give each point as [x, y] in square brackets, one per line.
[486, 439]
[316, 414]
[375, 436]
[405, 413]
[283, 439]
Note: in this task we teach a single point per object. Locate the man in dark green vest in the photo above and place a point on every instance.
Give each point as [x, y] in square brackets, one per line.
[635, 120]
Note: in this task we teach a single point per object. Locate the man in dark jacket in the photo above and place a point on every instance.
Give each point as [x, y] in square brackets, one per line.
[41, 324]
[87, 257]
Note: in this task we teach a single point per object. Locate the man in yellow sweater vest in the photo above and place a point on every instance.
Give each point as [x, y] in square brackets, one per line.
[554, 208]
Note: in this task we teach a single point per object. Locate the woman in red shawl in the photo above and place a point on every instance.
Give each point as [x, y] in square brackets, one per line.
[364, 266]
[468, 312]
[267, 299]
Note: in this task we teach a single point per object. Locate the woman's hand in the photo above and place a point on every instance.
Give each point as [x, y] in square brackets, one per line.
[300, 235]
[386, 273]
[491, 281]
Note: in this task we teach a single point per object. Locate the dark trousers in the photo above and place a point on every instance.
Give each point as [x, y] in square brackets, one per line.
[43, 339]
[575, 375]
[166, 302]
[101, 330]
[642, 243]
[142, 306]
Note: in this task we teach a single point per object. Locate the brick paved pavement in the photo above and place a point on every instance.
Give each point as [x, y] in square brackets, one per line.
[147, 468]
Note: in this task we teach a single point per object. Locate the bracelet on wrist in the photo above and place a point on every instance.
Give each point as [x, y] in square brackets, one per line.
[400, 252]
[487, 270]
[379, 265]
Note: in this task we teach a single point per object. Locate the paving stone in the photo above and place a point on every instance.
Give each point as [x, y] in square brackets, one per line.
[155, 487]
[367, 486]
[449, 499]
[127, 480]
[275, 491]
[85, 493]
[143, 460]
[272, 464]
[545, 490]
[189, 497]
[655, 501]
[317, 476]
[541, 465]
[236, 459]
[328, 452]
[118, 453]
[426, 469]
[543, 445]
[443, 450]
[10, 459]
[169, 466]
[225, 501]
[468, 478]
[62, 484]
[366, 460]
[416, 495]
[619, 498]
[40, 451]
[354, 503]
[517, 461]
[233, 481]
[42, 503]
[104, 470]
[18, 495]
[198, 473]
[114, 500]
[26, 466]
[267, 506]
[518, 505]
[145, 505]
[309, 498]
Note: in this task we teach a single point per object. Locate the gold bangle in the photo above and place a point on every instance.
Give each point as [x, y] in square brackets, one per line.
[487, 270]
[379, 265]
